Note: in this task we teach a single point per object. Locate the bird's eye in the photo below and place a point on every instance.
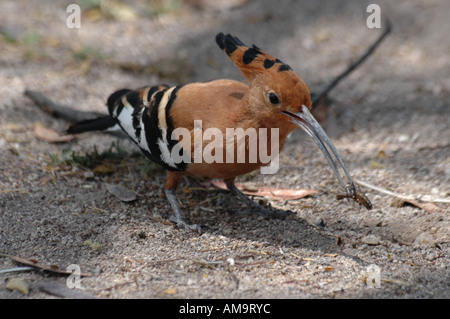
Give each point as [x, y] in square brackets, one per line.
[273, 98]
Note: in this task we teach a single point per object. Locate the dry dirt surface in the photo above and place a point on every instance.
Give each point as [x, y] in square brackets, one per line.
[389, 120]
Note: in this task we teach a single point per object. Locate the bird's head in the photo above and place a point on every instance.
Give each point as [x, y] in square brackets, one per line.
[273, 85]
[275, 90]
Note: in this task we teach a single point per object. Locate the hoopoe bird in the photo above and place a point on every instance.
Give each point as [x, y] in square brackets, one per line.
[275, 97]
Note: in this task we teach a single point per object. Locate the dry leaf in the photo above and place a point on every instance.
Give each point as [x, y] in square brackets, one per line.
[400, 200]
[119, 11]
[426, 206]
[92, 244]
[103, 169]
[51, 268]
[381, 154]
[375, 164]
[287, 194]
[121, 192]
[19, 284]
[170, 291]
[49, 135]
[273, 193]
[12, 127]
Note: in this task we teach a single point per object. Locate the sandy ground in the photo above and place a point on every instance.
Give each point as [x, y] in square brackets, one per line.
[390, 121]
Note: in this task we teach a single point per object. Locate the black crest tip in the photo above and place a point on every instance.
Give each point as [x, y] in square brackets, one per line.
[228, 42]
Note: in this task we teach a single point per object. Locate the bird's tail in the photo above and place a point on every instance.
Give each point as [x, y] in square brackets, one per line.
[105, 123]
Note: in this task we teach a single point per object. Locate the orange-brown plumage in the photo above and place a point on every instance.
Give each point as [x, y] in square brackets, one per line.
[231, 104]
[273, 93]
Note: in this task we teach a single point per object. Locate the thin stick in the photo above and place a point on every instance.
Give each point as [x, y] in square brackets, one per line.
[49, 268]
[16, 269]
[353, 65]
[58, 110]
[64, 112]
[63, 291]
[404, 197]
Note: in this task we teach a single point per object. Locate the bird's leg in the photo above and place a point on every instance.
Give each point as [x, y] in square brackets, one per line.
[252, 205]
[171, 184]
[238, 193]
[179, 216]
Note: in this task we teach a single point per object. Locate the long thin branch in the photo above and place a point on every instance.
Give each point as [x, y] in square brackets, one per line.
[65, 112]
[401, 196]
[58, 110]
[352, 66]
[16, 269]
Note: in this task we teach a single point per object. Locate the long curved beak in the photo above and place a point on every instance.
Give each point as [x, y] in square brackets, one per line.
[308, 123]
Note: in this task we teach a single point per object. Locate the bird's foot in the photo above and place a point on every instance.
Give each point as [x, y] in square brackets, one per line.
[183, 224]
[254, 207]
[178, 218]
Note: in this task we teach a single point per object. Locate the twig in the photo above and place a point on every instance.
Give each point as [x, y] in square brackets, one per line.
[63, 291]
[17, 190]
[403, 197]
[255, 263]
[122, 284]
[393, 281]
[208, 264]
[16, 269]
[58, 110]
[64, 112]
[50, 268]
[162, 260]
[316, 97]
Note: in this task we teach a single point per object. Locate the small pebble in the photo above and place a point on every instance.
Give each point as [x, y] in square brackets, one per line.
[320, 222]
[230, 261]
[88, 175]
[372, 240]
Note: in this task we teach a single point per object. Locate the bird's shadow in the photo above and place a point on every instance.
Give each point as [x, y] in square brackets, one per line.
[226, 215]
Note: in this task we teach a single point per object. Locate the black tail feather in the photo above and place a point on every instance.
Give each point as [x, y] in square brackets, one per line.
[98, 124]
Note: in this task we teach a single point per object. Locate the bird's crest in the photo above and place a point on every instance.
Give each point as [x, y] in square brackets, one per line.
[250, 61]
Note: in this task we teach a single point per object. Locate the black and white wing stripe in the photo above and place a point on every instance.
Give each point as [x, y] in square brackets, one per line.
[144, 114]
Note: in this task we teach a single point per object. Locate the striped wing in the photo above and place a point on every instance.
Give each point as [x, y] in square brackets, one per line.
[144, 114]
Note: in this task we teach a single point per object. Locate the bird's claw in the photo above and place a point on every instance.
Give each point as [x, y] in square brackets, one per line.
[183, 224]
